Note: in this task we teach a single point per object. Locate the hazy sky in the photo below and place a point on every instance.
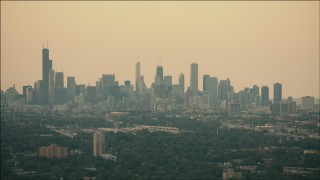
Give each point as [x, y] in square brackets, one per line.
[249, 42]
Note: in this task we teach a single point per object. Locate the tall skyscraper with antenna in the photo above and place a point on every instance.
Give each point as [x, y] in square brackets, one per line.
[46, 66]
[159, 75]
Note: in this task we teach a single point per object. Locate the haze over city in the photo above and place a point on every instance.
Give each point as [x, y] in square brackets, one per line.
[249, 42]
[160, 90]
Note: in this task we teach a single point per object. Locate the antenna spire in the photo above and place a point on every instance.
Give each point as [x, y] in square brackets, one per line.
[47, 44]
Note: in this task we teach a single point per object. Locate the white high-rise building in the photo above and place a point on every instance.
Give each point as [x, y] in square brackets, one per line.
[98, 143]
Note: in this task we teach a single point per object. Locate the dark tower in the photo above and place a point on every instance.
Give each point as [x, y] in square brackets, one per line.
[160, 72]
[277, 92]
[46, 66]
[265, 95]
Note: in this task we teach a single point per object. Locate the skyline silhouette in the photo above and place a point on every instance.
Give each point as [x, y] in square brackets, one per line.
[242, 41]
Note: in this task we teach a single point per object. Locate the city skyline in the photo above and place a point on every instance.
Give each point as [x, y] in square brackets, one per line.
[290, 68]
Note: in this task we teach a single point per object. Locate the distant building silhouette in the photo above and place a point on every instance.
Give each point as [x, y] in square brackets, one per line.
[210, 85]
[46, 66]
[29, 96]
[189, 94]
[71, 88]
[181, 81]
[204, 77]
[167, 80]
[59, 80]
[265, 95]
[98, 143]
[51, 87]
[194, 78]
[115, 92]
[138, 79]
[91, 94]
[53, 151]
[277, 92]
[107, 81]
[81, 89]
[11, 95]
[24, 92]
[159, 75]
[61, 96]
[254, 95]
[307, 102]
[127, 83]
[224, 88]
[234, 109]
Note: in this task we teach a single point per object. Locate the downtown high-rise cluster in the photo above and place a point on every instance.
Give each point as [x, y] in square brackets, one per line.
[162, 96]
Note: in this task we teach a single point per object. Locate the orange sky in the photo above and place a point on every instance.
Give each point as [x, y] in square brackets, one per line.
[249, 42]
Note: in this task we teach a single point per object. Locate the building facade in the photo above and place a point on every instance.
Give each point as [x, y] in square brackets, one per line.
[307, 102]
[277, 92]
[98, 143]
[181, 81]
[265, 95]
[53, 151]
[194, 78]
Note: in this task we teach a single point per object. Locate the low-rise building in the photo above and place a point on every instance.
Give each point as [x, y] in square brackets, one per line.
[53, 151]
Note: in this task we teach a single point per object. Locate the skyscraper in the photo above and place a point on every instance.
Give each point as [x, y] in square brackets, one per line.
[203, 81]
[159, 75]
[194, 78]
[91, 94]
[167, 80]
[181, 81]
[46, 66]
[138, 79]
[24, 91]
[59, 80]
[277, 92]
[210, 85]
[11, 94]
[265, 95]
[71, 88]
[224, 88]
[98, 143]
[37, 92]
[115, 92]
[254, 90]
[107, 81]
[51, 86]
[29, 95]
[307, 102]
[127, 83]
[160, 71]
[254, 94]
